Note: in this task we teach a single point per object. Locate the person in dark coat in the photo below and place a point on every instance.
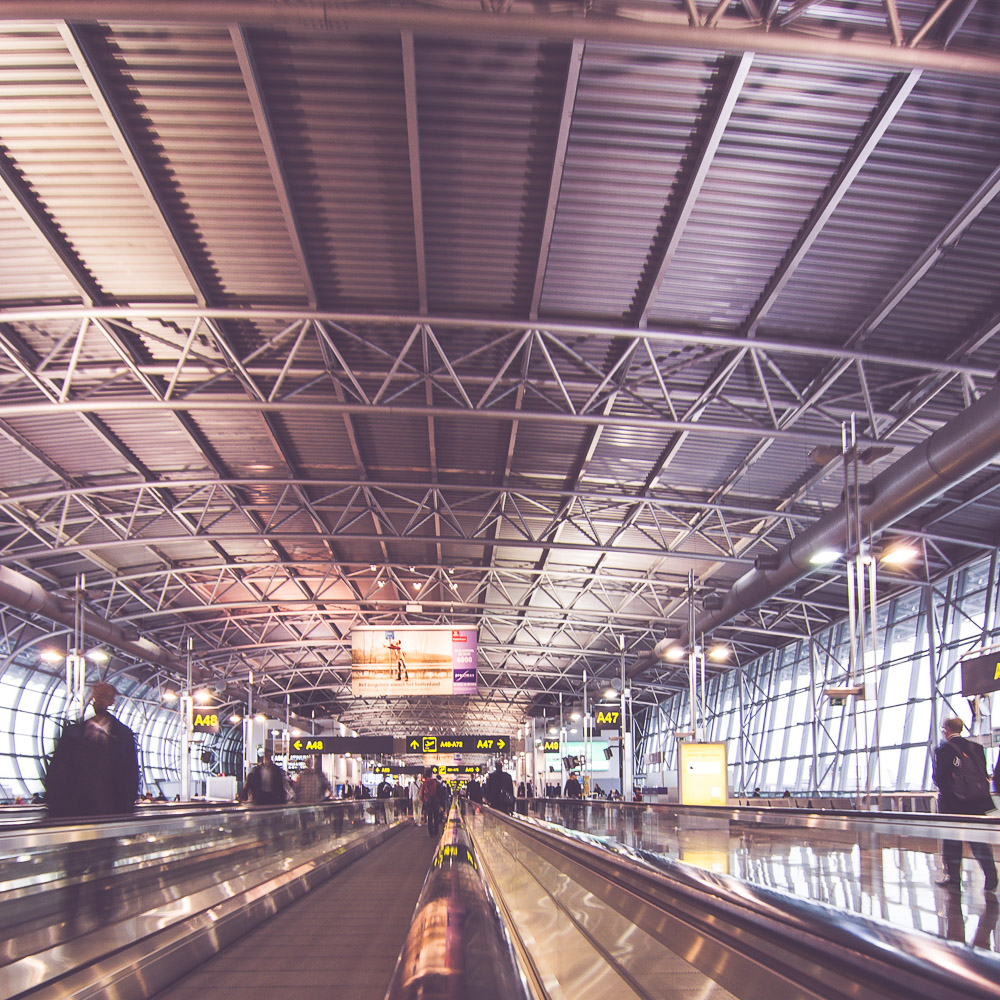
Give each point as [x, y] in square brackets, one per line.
[956, 751]
[475, 792]
[500, 790]
[94, 772]
[265, 784]
[94, 769]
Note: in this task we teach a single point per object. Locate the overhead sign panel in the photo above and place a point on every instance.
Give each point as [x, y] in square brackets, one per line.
[550, 746]
[981, 674]
[341, 744]
[457, 744]
[413, 660]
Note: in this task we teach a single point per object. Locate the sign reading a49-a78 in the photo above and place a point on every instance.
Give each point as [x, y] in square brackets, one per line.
[457, 744]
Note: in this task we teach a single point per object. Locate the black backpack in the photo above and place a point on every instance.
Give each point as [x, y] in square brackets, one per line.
[969, 781]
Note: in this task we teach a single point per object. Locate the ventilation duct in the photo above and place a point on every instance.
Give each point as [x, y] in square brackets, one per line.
[952, 453]
[18, 591]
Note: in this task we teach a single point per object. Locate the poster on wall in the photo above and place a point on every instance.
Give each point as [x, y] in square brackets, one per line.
[413, 660]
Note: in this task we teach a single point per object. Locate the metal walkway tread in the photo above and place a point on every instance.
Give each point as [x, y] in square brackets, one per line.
[339, 941]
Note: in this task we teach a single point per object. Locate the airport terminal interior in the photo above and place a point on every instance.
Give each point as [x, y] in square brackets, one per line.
[604, 393]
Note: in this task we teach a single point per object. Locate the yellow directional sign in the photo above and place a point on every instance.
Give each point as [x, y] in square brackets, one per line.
[309, 744]
[457, 744]
[204, 722]
[608, 719]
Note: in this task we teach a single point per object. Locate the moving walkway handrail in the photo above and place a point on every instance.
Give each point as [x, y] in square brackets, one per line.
[788, 940]
[457, 947]
[934, 825]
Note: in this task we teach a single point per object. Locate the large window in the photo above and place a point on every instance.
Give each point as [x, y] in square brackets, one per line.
[32, 713]
[782, 733]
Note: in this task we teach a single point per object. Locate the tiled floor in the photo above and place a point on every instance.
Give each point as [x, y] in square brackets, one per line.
[340, 941]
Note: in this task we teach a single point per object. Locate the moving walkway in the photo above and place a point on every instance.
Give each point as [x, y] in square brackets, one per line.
[585, 914]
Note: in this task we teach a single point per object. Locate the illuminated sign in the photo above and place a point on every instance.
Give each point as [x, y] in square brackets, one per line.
[341, 744]
[981, 674]
[204, 722]
[459, 769]
[457, 744]
[702, 772]
[414, 660]
[608, 718]
[550, 746]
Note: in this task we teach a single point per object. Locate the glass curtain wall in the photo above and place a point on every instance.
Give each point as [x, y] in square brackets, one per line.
[32, 712]
[783, 733]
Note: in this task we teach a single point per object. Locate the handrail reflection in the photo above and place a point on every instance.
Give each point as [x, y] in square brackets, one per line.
[457, 947]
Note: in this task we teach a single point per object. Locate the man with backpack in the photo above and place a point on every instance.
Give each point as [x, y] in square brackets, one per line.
[964, 789]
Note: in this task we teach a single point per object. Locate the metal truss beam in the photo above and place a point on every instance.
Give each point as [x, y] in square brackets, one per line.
[709, 341]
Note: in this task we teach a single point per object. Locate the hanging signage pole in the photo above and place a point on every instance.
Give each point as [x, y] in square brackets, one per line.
[692, 658]
[185, 710]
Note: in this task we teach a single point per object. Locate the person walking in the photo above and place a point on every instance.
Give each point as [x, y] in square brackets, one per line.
[94, 769]
[431, 795]
[93, 773]
[959, 771]
[312, 785]
[416, 803]
[499, 791]
[382, 793]
[265, 784]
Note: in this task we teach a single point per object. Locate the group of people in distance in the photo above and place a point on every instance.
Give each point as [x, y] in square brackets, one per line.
[94, 772]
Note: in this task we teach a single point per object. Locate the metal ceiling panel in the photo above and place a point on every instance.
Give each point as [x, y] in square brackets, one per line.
[28, 270]
[54, 132]
[631, 129]
[942, 145]
[339, 117]
[955, 309]
[793, 124]
[488, 114]
[70, 445]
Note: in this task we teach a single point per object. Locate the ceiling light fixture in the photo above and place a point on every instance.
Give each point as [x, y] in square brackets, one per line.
[900, 554]
[823, 557]
[719, 653]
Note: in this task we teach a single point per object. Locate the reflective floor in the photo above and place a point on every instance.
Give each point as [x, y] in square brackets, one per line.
[887, 876]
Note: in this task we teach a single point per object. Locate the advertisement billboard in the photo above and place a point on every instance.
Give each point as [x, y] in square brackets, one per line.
[413, 660]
